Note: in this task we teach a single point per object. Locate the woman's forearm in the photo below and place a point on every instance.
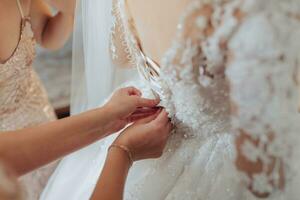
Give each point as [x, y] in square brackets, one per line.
[144, 139]
[27, 149]
[30, 148]
[113, 177]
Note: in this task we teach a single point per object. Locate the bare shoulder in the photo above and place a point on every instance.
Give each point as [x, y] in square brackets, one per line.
[157, 19]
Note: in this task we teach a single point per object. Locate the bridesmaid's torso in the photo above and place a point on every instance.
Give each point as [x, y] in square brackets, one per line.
[23, 100]
[10, 23]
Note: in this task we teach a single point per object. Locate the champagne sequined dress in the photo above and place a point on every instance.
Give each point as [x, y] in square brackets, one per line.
[23, 100]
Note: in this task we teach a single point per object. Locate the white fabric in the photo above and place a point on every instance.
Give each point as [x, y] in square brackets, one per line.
[199, 159]
[92, 67]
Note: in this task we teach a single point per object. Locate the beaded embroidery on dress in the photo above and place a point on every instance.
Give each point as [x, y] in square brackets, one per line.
[24, 102]
[206, 74]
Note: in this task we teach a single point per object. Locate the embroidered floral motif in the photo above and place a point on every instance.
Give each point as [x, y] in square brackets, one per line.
[248, 57]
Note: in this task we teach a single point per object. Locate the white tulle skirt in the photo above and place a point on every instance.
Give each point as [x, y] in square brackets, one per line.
[191, 168]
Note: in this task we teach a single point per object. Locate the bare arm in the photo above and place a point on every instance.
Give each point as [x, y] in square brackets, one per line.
[27, 149]
[144, 139]
[113, 177]
[52, 31]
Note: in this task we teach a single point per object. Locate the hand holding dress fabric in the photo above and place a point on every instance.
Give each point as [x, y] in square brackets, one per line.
[126, 106]
[146, 138]
[143, 140]
[66, 6]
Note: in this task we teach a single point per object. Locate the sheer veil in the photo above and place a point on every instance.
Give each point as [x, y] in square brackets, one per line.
[94, 77]
[92, 71]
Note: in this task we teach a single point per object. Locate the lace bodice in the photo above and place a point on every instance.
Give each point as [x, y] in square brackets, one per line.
[263, 78]
[233, 68]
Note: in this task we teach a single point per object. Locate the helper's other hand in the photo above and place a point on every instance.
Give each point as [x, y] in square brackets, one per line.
[146, 138]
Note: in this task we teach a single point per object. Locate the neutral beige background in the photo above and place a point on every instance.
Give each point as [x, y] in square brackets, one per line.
[54, 69]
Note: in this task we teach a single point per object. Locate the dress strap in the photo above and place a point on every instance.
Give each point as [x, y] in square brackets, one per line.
[20, 9]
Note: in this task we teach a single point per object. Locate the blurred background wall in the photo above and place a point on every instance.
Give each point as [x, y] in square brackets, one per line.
[54, 69]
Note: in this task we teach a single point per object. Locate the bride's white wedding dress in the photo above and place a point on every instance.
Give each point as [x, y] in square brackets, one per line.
[239, 78]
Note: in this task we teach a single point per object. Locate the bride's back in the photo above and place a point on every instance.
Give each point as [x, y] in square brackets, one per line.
[156, 23]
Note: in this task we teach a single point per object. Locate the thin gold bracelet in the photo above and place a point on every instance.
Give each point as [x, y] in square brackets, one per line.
[125, 149]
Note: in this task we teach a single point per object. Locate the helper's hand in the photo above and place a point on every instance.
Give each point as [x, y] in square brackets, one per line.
[146, 138]
[142, 140]
[126, 106]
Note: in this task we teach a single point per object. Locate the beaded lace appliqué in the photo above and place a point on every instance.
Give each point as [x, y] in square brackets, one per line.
[219, 53]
